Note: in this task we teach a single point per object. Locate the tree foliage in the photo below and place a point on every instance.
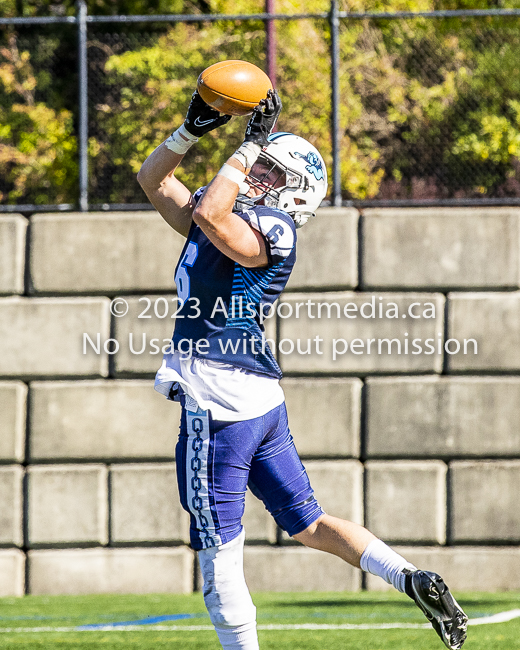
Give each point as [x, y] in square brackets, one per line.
[429, 108]
[38, 150]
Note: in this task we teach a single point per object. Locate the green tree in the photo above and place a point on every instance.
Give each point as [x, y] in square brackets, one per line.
[29, 8]
[38, 150]
[149, 91]
[428, 107]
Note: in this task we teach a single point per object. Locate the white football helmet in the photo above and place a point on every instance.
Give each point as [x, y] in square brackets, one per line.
[291, 175]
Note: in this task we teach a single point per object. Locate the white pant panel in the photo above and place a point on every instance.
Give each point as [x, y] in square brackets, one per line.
[226, 594]
[243, 637]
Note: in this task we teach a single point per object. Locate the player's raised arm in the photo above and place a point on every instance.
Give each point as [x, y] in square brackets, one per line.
[166, 193]
[214, 212]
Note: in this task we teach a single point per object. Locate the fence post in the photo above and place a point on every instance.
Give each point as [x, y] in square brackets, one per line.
[270, 33]
[83, 104]
[336, 140]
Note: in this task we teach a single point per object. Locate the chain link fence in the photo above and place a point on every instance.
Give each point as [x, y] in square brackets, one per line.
[439, 106]
[407, 109]
[38, 116]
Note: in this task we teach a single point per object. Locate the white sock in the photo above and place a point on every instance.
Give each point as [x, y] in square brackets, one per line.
[379, 560]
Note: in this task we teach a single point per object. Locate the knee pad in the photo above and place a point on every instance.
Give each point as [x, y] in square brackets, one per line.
[226, 594]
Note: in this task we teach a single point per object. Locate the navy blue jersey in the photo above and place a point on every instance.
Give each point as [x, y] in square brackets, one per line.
[223, 301]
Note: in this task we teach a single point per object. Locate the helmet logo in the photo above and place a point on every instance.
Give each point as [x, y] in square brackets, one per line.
[314, 167]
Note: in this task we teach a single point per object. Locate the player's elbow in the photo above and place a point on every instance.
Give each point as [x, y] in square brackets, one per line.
[143, 178]
[202, 216]
[148, 178]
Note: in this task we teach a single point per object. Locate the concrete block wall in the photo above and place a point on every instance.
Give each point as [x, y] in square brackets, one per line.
[422, 447]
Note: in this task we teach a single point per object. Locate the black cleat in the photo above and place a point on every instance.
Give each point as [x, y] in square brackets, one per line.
[432, 596]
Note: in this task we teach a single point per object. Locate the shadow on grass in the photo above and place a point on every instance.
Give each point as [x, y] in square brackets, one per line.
[339, 603]
[505, 600]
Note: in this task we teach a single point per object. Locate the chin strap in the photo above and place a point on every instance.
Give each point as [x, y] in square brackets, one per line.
[301, 218]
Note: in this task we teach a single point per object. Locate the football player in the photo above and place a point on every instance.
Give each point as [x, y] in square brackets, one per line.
[240, 250]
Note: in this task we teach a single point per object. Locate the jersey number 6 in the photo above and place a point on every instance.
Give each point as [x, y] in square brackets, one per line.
[182, 279]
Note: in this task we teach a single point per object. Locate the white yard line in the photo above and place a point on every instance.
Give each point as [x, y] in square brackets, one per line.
[501, 617]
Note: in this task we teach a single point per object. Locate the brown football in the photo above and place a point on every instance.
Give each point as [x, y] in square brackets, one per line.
[233, 87]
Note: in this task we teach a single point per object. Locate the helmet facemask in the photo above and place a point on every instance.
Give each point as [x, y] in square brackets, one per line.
[269, 178]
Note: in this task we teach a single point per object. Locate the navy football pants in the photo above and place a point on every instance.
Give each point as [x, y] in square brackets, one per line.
[217, 461]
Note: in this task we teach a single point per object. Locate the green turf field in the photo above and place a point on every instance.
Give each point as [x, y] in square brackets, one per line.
[65, 614]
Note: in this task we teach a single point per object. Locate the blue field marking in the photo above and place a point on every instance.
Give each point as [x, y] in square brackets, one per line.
[151, 620]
